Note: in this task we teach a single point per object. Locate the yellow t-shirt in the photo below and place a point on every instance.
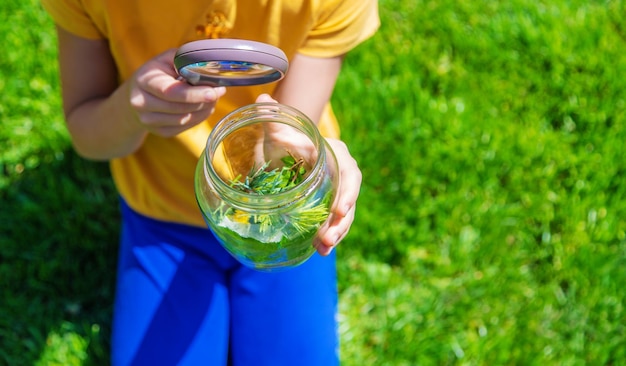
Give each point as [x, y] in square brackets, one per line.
[157, 180]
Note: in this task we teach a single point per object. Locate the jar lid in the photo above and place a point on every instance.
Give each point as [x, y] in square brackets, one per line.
[230, 62]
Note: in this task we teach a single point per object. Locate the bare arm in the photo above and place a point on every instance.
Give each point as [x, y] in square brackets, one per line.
[107, 120]
[308, 86]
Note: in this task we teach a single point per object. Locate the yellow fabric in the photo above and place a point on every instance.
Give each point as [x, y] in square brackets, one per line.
[157, 180]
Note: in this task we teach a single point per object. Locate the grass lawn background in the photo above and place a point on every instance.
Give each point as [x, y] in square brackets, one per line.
[492, 221]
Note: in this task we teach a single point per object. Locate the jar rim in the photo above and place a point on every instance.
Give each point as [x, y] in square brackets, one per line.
[246, 116]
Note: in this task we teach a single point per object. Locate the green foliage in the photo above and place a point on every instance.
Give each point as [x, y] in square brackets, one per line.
[305, 218]
[29, 85]
[58, 213]
[262, 180]
[64, 348]
[491, 222]
[491, 225]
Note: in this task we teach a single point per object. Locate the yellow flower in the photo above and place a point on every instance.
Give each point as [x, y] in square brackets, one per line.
[240, 217]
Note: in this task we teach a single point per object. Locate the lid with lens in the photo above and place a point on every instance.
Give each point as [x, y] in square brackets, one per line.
[230, 62]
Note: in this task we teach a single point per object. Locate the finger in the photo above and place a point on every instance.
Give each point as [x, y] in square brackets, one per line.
[144, 102]
[334, 232]
[167, 131]
[349, 188]
[166, 57]
[350, 178]
[158, 80]
[155, 120]
[176, 127]
[265, 98]
[181, 92]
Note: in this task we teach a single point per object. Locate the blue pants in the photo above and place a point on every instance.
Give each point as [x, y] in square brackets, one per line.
[183, 300]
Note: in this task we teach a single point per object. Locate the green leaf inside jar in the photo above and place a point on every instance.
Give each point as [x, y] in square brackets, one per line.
[284, 228]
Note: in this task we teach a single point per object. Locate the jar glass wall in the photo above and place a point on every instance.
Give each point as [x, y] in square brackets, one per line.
[265, 184]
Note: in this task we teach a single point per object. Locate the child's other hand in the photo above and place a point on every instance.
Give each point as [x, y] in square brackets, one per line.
[342, 212]
[164, 105]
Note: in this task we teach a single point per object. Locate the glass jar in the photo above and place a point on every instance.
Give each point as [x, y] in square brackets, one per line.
[265, 184]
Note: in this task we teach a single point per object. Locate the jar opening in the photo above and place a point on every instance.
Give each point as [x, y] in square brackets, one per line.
[264, 155]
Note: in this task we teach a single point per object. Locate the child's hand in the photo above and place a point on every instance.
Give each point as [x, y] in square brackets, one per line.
[165, 105]
[342, 212]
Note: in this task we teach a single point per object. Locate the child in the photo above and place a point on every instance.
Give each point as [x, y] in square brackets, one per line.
[180, 298]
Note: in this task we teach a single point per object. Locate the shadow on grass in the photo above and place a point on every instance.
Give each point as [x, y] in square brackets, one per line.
[59, 227]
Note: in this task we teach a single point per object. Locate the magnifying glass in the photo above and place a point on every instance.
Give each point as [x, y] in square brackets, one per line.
[230, 62]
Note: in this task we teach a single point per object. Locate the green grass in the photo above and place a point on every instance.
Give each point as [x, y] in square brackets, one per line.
[491, 227]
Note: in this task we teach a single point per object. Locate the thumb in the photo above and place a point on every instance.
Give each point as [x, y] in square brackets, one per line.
[265, 98]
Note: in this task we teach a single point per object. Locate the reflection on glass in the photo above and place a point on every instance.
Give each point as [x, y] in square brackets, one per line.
[230, 69]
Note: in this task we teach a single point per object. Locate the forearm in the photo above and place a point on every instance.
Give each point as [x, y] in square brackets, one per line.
[309, 84]
[107, 120]
[96, 106]
[105, 128]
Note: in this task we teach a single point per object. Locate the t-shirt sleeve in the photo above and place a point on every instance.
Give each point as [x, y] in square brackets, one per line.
[71, 16]
[340, 26]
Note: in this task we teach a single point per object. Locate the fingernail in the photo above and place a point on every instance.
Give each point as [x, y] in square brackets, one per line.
[210, 95]
[213, 94]
[219, 91]
[185, 119]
